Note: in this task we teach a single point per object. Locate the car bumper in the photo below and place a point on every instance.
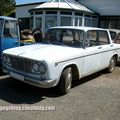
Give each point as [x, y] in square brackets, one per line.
[32, 80]
[43, 84]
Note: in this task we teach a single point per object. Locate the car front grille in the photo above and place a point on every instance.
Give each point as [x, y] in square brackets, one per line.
[21, 64]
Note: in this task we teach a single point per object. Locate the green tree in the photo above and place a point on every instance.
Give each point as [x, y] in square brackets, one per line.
[7, 7]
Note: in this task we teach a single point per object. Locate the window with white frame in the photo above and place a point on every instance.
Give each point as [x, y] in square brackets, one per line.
[94, 22]
[65, 21]
[78, 21]
[31, 22]
[38, 22]
[88, 22]
[50, 21]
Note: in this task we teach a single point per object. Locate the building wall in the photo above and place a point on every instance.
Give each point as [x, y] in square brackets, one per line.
[23, 11]
[24, 23]
[110, 22]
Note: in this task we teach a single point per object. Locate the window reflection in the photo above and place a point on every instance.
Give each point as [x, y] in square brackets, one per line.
[69, 37]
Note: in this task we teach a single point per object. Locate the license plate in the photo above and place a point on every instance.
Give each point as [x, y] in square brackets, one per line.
[17, 76]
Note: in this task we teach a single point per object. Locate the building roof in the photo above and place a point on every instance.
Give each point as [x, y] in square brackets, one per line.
[36, 3]
[7, 18]
[103, 7]
[63, 4]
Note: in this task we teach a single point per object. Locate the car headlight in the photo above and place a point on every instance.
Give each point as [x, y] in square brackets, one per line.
[35, 67]
[42, 68]
[39, 68]
[6, 59]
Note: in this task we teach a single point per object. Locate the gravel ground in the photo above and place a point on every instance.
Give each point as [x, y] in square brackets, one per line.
[96, 97]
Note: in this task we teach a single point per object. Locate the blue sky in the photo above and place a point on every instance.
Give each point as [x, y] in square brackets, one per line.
[27, 1]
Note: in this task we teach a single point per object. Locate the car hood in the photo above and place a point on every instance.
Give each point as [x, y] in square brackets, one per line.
[45, 52]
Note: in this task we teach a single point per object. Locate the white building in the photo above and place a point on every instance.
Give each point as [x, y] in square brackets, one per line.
[57, 13]
[70, 12]
[22, 12]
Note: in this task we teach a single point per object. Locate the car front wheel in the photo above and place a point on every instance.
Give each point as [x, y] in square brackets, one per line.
[112, 65]
[65, 81]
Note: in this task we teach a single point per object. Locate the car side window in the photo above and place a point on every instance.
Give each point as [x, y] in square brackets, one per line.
[113, 34]
[103, 37]
[118, 36]
[79, 35]
[68, 36]
[6, 32]
[78, 38]
[91, 39]
[10, 29]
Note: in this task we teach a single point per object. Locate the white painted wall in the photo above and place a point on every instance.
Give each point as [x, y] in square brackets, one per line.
[23, 11]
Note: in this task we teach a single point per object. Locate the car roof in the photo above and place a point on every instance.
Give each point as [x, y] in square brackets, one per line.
[114, 30]
[78, 27]
[7, 18]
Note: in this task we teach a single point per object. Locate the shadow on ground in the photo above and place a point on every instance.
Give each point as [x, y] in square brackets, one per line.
[17, 92]
[88, 78]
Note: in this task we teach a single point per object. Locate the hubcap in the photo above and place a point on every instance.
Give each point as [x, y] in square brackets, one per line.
[112, 64]
[69, 80]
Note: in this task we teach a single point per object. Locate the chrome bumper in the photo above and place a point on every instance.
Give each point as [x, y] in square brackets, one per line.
[31, 80]
[43, 83]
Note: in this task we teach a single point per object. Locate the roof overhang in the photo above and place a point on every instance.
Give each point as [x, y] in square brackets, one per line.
[67, 5]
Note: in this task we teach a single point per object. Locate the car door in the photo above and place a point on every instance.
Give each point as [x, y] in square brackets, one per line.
[106, 47]
[10, 37]
[92, 56]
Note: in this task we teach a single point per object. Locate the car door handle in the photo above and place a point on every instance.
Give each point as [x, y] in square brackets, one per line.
[111, 45]
[99, 47]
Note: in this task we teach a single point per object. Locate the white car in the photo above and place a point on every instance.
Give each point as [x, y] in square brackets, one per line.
[66, 54]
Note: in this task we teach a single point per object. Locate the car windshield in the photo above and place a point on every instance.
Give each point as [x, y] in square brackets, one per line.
[68, 37]
[1, 26]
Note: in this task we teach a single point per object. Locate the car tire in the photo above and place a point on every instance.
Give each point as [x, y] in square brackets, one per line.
[65, 81]
[112, 65]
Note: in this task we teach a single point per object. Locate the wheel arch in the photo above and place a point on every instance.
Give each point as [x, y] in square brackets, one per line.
[75, 70]
[116, 56]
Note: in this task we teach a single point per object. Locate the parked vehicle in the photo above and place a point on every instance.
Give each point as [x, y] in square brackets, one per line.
[115, 35]
[67, 54]
[9, 33]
